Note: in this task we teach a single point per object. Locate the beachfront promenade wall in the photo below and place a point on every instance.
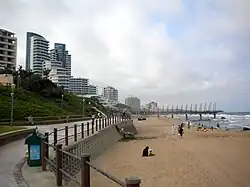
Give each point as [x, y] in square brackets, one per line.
[69, 160]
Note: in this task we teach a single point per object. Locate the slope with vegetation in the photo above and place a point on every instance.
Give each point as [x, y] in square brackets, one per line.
[39, 96]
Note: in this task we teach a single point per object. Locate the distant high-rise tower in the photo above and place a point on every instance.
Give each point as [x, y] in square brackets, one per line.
[37, 51]
[60, 50]
[59, 53]
[68, 63]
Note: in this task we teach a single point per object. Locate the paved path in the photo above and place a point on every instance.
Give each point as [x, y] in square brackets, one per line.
[12, 153]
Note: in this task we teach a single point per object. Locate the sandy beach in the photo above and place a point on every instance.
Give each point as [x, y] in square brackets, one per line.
[201, 159]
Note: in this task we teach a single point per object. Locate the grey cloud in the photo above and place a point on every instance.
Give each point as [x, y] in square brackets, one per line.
[118, 43]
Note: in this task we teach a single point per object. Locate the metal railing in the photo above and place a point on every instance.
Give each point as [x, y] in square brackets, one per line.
[66, 164]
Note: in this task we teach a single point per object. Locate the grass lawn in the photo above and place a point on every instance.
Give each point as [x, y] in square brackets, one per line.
[4, 129]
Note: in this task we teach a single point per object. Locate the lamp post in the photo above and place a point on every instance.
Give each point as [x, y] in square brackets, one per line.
[83, 100]
[62, 101]
[12, 103]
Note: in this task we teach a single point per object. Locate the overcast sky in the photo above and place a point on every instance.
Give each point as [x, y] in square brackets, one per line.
[169, 51]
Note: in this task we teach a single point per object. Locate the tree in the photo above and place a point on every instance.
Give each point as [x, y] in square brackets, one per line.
[46, 73]
[6, 70]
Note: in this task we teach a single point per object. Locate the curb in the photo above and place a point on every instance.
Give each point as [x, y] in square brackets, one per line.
[9, 137]
[17, 172]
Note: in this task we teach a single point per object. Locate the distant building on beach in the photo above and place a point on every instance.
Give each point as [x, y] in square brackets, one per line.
[134, 103]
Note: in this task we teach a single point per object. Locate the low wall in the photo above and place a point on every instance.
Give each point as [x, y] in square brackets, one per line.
[95, 145]
[14, 135]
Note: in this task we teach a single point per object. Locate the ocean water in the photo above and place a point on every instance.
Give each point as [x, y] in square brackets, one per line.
[231, 121]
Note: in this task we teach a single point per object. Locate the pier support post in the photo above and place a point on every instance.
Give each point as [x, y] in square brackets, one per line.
[172, 116]
[186, 117]
[214, 115]
[200, 116]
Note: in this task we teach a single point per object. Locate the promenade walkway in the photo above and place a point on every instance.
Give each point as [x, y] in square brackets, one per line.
[12, 153]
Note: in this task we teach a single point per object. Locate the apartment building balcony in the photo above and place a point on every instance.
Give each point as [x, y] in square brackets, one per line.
[7, 43]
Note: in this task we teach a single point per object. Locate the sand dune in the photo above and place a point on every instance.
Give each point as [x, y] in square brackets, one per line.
[204, 159]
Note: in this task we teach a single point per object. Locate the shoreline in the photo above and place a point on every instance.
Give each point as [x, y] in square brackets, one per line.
[224, 126]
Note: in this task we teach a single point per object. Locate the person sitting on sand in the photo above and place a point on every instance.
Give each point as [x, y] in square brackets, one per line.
[145, 151]
[150, 152]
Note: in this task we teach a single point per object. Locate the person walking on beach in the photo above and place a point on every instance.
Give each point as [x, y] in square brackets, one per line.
[181, 131]
[173, 129]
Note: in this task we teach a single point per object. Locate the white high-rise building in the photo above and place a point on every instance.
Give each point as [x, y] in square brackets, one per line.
[8, 49]
[79, 85]
[134, 103]
[58, 74]
[110, 93]
[37, 51]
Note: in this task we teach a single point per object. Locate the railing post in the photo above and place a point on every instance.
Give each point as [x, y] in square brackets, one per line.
[55, 136]
[100, 124]
[103, 123]
[96, 125]
[88, 129]
[43, 155]
[132, 182]
[58, 165]
[85, 170]
[46, 134]
[66, 135]
[75, 132]
[93, 126]
[82, 130]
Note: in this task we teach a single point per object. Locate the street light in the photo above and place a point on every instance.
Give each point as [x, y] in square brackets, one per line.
[12, 103]
[62, 101]
[83, 100]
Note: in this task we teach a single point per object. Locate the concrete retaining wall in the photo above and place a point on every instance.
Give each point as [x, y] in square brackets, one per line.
[9, 137]
[95, 145]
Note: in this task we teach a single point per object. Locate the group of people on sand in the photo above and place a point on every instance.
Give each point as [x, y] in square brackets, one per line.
[179, 129]
[204, 128]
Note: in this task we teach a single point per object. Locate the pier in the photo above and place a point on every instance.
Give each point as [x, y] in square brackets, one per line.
[189, 109]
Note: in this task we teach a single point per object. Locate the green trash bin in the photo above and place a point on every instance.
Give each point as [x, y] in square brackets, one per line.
[34, 150]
